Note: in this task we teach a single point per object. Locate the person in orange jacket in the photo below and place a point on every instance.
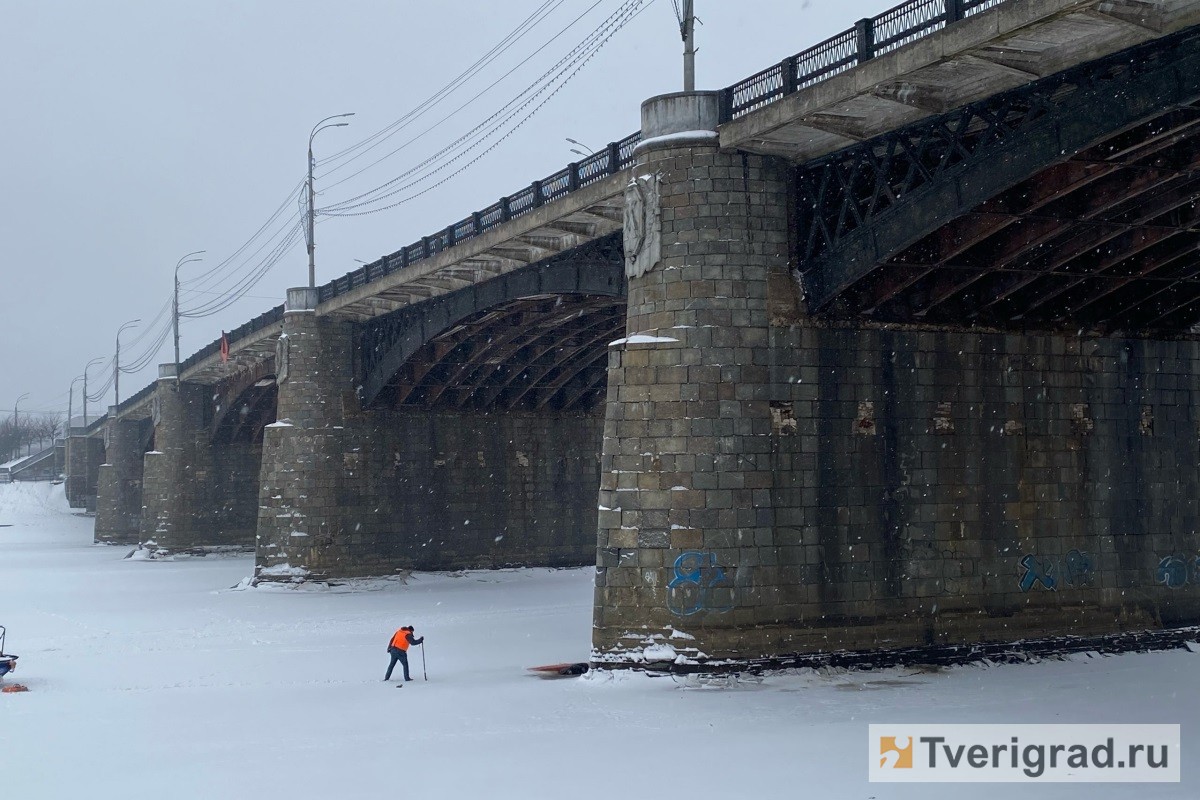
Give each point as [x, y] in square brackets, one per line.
[398, 650]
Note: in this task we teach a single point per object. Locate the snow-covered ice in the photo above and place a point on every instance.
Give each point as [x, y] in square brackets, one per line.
[173, 679]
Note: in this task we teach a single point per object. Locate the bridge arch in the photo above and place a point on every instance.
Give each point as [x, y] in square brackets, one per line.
[533, 338]
[244, 403]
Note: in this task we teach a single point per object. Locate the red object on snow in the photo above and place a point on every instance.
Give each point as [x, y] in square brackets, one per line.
[567, 670]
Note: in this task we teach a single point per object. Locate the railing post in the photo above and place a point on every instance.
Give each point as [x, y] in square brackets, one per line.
[449, 236]
[725, 113]
[788, 69]
[614, 158]
[537, 194]
[477, 223]
[864, 32]
[572, 176]
[505, 211]
[954, 11]
[425, 247]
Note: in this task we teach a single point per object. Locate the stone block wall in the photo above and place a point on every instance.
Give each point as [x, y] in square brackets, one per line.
[944, 487]
[348, 492]
[85, 454]
[930, 488]
[119, 483]
[435, 491]
[197, 492]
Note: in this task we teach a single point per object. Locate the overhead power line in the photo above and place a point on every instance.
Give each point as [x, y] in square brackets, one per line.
[528, 24]
[552, 82]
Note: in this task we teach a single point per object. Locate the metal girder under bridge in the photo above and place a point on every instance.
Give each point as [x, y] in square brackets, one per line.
[1073, 201]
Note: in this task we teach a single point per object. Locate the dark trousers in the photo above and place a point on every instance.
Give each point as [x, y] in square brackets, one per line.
[402, 657]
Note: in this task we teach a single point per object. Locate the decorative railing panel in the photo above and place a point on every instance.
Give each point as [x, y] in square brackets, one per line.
[907, 23]
[826, 59]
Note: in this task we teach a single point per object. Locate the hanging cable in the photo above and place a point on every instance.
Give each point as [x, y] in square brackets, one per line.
[213, 277]
[565, 62]
[346, 208]
[248, 281]
[526, 25]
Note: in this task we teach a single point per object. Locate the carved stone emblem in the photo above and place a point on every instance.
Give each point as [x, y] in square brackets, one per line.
[281, 359]
[643, 225]
[156, 410]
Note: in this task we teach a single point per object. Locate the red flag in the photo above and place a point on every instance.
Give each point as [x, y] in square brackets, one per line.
[224, 347]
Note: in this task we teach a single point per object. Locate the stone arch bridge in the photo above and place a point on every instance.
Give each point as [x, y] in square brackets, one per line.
[890, 345]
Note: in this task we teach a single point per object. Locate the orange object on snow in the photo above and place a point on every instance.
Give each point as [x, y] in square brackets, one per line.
[9, 688]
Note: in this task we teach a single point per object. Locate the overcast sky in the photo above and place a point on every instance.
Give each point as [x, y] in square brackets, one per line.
[136, 132]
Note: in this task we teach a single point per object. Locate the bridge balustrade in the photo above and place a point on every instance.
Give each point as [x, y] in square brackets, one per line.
[869, 38]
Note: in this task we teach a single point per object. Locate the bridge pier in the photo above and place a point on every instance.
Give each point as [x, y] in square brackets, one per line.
[298, 518]
[776, 485]
[119, 482]
[85, 454]
[687, 475]
[195, 493]
[352, 492]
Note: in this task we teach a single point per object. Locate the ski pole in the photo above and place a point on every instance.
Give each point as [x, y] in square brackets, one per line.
[423, 672]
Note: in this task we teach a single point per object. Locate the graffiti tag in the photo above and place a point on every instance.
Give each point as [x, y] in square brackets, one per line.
[700, 584]
[1073, 569]
[1175, 572]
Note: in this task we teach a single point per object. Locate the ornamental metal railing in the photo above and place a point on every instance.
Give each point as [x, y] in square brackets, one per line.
[610, 160]
[869, 38]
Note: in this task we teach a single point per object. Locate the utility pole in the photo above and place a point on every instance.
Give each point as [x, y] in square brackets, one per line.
[175, 303]
[312, 245]
[687, 27]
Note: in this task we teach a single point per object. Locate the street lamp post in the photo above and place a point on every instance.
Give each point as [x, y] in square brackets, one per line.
[17, 403]
[312, 245]
[117, 361]
[175, 304]
[590, 151]
[16, 430]
[85, 393]
[71, 403]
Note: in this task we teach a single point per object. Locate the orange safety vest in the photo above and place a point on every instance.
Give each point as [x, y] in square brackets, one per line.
[400, 639]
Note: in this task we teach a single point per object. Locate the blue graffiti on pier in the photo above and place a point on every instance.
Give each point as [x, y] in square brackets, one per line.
[1175, 572]
[1073, 569]
[699, 585]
